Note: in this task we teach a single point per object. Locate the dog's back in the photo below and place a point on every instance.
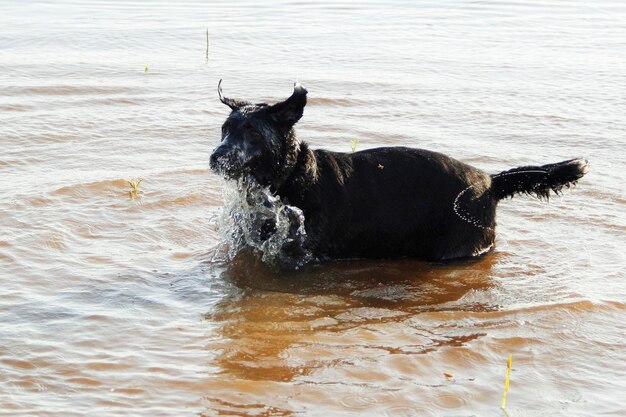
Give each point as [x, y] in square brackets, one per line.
[394, 201]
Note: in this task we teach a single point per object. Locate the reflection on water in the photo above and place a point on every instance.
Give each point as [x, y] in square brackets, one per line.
[273, 315]
[312, 327]
[111, 306]
[371, 336]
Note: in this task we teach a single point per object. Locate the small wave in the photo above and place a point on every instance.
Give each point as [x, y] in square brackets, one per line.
[83, 381]
[581, 306]
[17, 363]
[450, 401]
[193, 171]
[62, 90]
[55, 242]
[574, 307]
[616, 305]
[604, 195]
[114, 101]
[186, 200]
[15, 107]
[80, 190]
[339, 102]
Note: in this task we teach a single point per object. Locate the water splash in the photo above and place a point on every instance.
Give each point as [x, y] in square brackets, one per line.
[254, 218]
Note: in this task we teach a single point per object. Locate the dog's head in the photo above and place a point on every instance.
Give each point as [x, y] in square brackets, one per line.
[258, 139]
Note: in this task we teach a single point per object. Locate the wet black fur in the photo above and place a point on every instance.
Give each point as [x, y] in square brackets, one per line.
[378, 203]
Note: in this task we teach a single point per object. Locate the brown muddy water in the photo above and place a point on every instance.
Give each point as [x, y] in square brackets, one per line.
[112, 306]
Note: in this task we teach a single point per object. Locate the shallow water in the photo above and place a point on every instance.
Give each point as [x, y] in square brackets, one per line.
[112, 306]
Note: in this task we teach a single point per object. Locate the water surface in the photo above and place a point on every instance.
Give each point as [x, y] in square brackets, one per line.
[112, 306]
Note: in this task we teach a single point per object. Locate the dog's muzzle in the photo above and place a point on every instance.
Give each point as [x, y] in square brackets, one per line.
[227, 161]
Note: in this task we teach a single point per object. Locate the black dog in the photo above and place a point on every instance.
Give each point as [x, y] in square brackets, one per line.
[378, 203]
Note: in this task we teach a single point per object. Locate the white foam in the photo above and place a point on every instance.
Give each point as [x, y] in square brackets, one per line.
[249, 207]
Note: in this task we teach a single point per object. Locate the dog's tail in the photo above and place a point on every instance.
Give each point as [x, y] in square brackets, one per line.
[538, 180]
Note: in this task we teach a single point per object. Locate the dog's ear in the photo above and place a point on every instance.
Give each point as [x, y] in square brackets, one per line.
[234, 104]
[288, 112]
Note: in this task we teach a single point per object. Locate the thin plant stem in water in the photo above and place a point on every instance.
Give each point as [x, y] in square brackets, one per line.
[207, 45]
[506, 381]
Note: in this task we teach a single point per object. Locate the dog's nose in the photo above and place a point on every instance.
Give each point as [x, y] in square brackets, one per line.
[218, 153]
[213, 159]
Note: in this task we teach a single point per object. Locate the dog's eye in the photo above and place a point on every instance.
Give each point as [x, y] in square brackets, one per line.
[225, 127]
[255, 136]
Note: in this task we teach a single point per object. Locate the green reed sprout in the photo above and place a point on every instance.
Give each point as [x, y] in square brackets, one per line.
[134, 187]
[354, 143]
[146, 69]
